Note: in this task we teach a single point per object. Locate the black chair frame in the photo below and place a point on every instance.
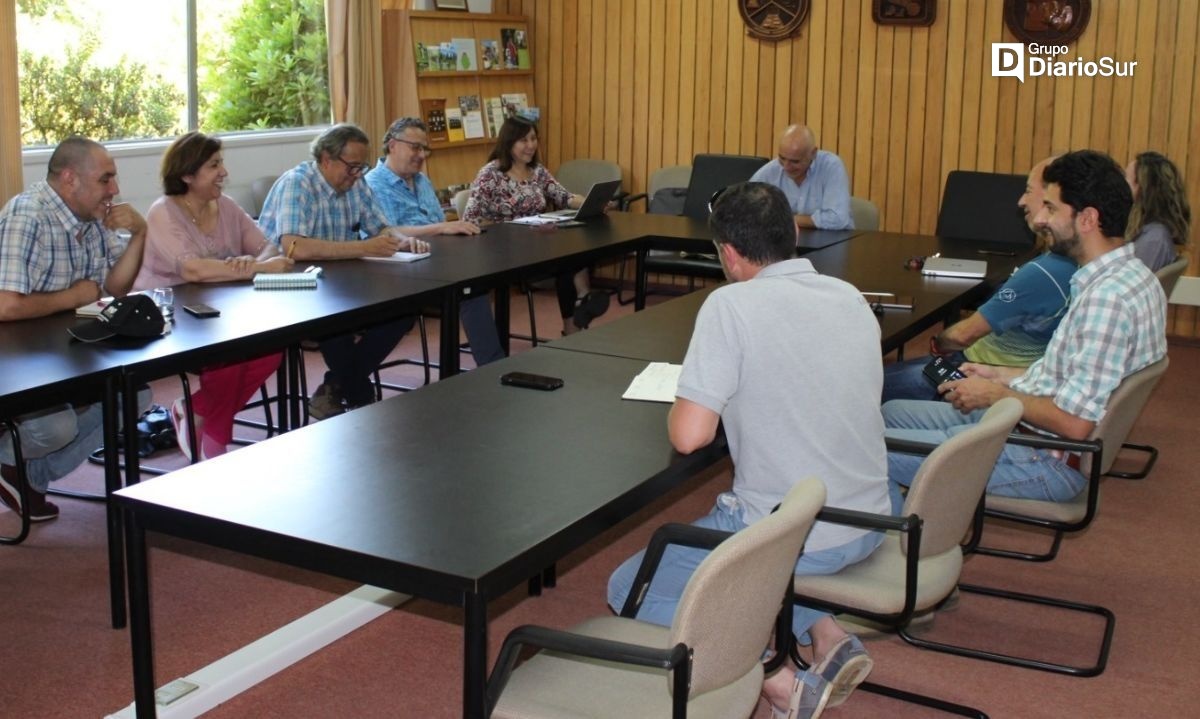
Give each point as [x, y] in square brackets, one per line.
[22, 485]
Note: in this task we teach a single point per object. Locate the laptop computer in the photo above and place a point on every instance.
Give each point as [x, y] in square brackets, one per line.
[950, 267]
[593, 205]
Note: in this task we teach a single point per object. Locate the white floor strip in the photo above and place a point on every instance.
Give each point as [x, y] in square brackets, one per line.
[229, 676]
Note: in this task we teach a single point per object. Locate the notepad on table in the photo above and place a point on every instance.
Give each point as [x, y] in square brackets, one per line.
[656, 383]
[400, 257]
[535, 220]
[285, 281]
[93, 309]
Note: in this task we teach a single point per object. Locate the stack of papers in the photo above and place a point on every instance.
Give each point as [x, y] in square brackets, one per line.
[536, 220]
[656, 383]
[401, 257]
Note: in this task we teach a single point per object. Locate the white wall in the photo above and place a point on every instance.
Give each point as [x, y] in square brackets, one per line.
[247, 157]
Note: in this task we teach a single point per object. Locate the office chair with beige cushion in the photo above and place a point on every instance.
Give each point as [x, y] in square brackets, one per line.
[865, 214]
[1123, 408]
[259, 189]
[578, 176]
[1169, 275]
[707, 664]
[460, 202]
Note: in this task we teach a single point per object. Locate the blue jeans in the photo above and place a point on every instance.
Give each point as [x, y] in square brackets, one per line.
[352, 358]
[477, 321]
[678, 564]
[1020, 471]
[905, 380]
[55, 441]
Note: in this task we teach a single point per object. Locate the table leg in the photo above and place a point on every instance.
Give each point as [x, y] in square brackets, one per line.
[140, 639]
[503, 315]
[639, 281]
[448, 345]
[475, 657]
[112, 482]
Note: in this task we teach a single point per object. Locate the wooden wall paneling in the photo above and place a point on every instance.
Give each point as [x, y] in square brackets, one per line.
[567, 98]
[968, 154]
[1006, 122]
[1144, 78]
[1082, 89]
[882, 122]
[847, 115]
[552, 123]
[583, 81]
[729, 141]
[669, 150]
[798, 103]
[657, 129]
[762, 104]
[1106, 19]
[914, 145]
[859, 163]
[1164, 69]
[689, 71]
[714, 113]
[705, 57]
[785, 75]
[989, 87]
[598, 78]
[628, 78]
[613, 80]
[1186, 322]
[641, 91]
[935, 98]
[1179, 99]
[1122, 107]
[814, 111]
[831, 95]
[952, 115]
[897, 126]
[538, 12]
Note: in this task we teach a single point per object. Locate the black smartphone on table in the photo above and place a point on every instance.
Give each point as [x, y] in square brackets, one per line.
[531, 381]
[202, 311]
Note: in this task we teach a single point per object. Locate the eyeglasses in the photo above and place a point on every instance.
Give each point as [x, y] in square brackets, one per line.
[355, 168]
[426, 149]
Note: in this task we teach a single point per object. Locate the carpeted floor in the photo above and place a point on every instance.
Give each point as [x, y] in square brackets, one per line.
[59, 658]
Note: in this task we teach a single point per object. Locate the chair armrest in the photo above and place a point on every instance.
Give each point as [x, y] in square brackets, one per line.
[868, 520]
[685, 535]
[909, 446]
[557, 640]
[628, 200]
[1066, 445]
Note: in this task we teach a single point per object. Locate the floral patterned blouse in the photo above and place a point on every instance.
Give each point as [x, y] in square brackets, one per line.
[496, 197]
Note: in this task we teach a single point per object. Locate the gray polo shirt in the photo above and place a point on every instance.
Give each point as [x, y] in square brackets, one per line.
[790, 360]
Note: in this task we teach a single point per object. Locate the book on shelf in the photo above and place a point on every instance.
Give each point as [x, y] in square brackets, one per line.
[433, 112]
[472, 116]
[514, 102]
[491, 55]
[285, 281]
[422, 57]
[523, 62]
[494, 112]
[465, 48]
[508, 47]
[445, 58]
[454, 125]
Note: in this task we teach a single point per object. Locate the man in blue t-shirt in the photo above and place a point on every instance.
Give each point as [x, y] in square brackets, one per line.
[1012, 328]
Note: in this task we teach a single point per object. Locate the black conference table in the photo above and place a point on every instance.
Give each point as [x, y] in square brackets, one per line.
[487, 486]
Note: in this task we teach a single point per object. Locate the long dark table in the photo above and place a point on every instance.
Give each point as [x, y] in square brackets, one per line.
[456, 493]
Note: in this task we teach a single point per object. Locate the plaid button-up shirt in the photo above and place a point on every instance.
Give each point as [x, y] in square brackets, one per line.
[44, 247]
[1115, 326]
[302, 203]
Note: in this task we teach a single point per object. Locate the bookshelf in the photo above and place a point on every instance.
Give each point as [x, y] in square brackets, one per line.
[405, 84]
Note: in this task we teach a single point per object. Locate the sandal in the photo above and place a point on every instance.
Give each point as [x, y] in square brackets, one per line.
[810, 696]
[179, 420]
[844, 668]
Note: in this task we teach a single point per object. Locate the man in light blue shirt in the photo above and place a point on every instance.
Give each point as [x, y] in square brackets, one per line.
[814, 181]
[406, 197]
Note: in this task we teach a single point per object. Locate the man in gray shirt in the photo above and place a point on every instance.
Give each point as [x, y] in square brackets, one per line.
[793, 404]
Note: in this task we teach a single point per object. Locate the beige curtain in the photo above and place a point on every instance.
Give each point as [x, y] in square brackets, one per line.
[11, 180]
[355, 75]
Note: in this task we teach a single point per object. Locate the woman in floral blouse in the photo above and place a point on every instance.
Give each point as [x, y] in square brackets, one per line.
[515, 184]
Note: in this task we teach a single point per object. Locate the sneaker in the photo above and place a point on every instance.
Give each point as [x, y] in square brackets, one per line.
[40, 510]
[326, 402]
[594, 304]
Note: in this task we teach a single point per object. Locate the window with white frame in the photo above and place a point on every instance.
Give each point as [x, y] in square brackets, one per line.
[141, 69]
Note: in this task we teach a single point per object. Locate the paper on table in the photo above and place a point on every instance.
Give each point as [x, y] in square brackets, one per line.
[534, 220]
[401, 257]
[656, 383]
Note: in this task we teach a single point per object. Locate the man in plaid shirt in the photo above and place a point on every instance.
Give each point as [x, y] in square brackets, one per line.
[60, 249]
[1115, 326]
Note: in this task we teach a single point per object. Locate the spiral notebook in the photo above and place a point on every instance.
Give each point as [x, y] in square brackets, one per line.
[285, 281]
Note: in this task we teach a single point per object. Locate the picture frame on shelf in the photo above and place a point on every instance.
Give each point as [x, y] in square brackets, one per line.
[450, 4]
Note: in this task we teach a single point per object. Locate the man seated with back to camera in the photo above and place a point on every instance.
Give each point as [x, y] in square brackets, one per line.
[1014, 326]
[759, 363]
[319, 210]
[1115, 326]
